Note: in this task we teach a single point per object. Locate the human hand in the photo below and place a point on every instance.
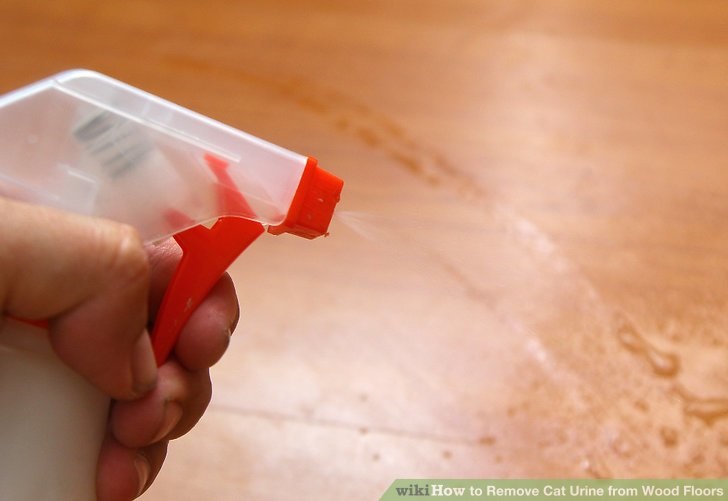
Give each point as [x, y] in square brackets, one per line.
[97, 284]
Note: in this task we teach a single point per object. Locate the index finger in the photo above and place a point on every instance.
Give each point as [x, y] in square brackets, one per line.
[90, 278]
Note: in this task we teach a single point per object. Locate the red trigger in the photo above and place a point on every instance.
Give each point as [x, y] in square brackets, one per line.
[206, 254]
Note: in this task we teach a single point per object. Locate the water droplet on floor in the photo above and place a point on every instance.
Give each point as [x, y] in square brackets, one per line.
[663, 363]
[669, 436]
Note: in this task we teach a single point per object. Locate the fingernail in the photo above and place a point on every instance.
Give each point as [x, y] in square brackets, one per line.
[227, 337]
[143, 366]
[172, 415]
[143, 469]
[236, 320]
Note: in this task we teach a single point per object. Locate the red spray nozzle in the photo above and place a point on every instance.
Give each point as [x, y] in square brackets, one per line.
[313, 204]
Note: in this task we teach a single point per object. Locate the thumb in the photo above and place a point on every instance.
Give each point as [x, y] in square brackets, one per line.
[90, 278]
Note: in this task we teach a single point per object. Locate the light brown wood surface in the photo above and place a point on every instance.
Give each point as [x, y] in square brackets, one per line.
[528, 273]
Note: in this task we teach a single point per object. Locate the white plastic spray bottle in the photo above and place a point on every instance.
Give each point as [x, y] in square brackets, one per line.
[85, 143]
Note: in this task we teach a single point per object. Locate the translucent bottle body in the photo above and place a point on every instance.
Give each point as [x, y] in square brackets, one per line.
[83, 142]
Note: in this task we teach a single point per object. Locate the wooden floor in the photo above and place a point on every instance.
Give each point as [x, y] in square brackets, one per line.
[528, 274]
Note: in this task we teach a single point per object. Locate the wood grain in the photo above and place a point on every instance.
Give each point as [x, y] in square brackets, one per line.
[527, 276]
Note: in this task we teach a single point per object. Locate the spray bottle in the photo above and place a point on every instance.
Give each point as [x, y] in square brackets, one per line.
[83, 142]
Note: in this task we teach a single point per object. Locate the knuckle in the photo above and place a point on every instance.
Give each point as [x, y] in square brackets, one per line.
[124, 256]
